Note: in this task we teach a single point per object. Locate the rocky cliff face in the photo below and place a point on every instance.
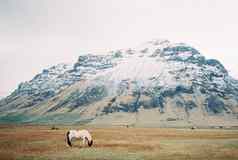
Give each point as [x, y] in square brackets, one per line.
[174, 81]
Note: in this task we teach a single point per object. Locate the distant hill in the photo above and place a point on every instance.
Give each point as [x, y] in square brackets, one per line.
[158, 83]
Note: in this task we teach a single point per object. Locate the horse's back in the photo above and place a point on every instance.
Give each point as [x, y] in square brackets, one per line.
[85, 133]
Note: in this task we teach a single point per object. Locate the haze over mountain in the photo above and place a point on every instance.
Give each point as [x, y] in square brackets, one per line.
[158, 83]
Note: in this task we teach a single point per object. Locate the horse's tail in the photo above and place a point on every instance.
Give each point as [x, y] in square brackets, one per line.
[90, 142]
[68, 140]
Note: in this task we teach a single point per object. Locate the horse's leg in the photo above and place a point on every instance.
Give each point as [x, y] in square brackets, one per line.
[84, 140]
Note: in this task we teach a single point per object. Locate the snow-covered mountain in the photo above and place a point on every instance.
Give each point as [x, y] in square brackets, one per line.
[158, 82]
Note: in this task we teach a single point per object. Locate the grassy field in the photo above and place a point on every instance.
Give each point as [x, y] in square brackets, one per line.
[118, 143]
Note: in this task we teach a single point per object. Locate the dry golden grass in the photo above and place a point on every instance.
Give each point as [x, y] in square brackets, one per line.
[40, 142]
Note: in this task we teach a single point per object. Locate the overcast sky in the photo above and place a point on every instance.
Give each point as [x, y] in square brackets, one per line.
[36, 34]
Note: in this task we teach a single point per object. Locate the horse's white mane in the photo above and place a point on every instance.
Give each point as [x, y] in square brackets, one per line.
[79, 134]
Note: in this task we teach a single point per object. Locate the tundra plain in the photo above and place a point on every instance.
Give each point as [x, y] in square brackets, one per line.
[38, 142]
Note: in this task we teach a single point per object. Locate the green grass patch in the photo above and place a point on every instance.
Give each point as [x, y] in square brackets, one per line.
[13, 118]
[233, 145]
[31, 158]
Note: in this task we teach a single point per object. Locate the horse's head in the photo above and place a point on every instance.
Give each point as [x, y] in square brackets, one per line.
[90, 143]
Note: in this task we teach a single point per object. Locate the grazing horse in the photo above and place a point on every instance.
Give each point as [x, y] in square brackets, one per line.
[80, 134]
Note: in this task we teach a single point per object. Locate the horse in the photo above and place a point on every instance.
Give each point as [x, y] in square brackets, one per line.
[79, 134]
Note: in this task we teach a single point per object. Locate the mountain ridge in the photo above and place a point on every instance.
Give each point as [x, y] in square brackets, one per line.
[174, 79]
